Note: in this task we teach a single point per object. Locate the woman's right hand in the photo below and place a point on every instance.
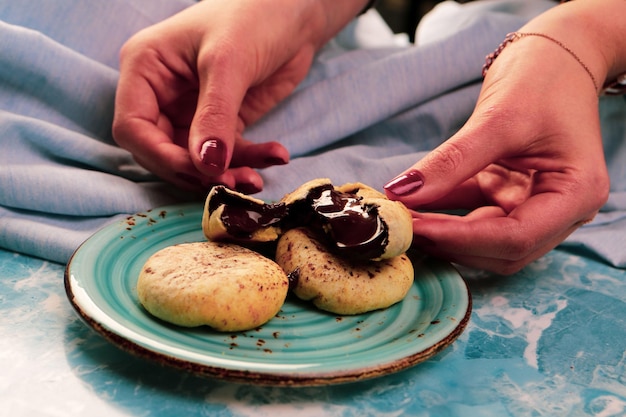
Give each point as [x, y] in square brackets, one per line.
[190, 85]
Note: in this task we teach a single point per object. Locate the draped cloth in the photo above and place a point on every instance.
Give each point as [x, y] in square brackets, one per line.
[371, 106]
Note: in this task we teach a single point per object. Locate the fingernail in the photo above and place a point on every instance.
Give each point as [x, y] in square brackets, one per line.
[190, 179]
[248, 188]
[275, 161]
[213, 153]
[404, 184]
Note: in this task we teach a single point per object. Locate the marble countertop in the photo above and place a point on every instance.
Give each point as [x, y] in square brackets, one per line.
[548, 341]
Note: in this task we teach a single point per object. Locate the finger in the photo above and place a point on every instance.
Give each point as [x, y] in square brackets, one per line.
[468, 195]
[178, 170]
[245, 180]
[259, 155]
[139, 128]
[172, 163]
[153, 149]
[214, 125]
[136, 111]
[531, 226]
[483, 212]
[447, 167]
[499, 266]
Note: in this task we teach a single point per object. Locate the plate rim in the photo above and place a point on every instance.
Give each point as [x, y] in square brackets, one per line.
[258, 377]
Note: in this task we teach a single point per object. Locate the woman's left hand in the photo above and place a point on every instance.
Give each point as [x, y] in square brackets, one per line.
[528, 165]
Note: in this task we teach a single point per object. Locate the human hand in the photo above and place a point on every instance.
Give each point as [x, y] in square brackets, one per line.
[190, 85]
[528, 165]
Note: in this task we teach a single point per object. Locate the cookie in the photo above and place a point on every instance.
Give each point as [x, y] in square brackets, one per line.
[357, 221]
[394, 221]
[224, 286]
[233, 216]
[337, 284]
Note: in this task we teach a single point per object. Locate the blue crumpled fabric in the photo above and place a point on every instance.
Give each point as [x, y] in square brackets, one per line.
[372, 105]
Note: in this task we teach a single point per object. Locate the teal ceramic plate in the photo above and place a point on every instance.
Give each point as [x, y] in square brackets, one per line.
[300, 346]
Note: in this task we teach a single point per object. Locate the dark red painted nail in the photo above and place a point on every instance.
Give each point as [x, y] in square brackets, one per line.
[275, 161]
[248, 188]
[405, 184]
[213, 153]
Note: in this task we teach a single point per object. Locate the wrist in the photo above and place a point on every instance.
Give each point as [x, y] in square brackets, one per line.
[328, 17]
[592, 31]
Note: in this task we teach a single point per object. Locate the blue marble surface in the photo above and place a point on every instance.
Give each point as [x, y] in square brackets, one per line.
[549, 341]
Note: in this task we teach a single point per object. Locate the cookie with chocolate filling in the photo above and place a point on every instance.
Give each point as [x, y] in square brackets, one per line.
[355, 220]
[397, 219]
[233, 216]
[337, 284]
[221, 285]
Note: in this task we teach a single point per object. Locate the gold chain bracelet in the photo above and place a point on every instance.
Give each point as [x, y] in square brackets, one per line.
[513, 36]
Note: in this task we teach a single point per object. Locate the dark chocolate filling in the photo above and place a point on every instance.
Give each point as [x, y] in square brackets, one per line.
[294, 278]
[243, 217]
[353, 229]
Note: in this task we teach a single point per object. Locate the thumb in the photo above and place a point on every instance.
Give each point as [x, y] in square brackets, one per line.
[214, 125]
[443, 170]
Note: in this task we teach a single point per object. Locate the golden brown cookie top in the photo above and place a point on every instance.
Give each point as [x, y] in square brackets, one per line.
[221, 285]
[337, 284]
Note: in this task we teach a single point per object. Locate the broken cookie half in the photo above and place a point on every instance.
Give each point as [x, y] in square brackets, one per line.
[232, 216]
[354, 220]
